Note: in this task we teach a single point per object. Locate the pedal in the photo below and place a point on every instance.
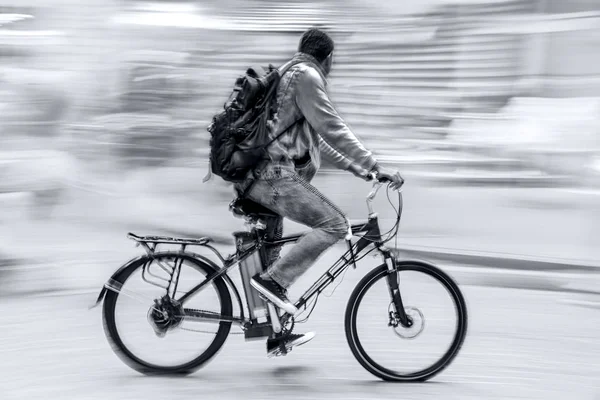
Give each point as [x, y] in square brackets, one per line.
[281, 351]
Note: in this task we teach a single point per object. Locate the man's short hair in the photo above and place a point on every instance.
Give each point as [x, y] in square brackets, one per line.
[316, 43]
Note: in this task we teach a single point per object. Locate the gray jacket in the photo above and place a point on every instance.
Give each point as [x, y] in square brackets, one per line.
[314, 124]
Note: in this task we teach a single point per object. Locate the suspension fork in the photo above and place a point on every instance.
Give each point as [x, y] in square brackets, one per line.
[394, 287]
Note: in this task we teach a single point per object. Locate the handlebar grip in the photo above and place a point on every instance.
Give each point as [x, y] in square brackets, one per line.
[373, 175]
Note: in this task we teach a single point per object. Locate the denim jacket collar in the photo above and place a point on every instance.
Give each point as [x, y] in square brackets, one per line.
[299, 56]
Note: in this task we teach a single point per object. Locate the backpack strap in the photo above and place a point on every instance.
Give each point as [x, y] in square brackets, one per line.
[282, 70]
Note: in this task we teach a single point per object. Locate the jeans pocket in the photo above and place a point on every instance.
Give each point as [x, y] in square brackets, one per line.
[271, 172]
[266, 188]
[306, 171]
[264, 192]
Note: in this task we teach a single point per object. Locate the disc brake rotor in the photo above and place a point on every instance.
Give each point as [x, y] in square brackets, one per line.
[418, 323]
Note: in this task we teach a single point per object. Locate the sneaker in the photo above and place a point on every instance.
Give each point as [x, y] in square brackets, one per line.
[293, 340]
[273, 293]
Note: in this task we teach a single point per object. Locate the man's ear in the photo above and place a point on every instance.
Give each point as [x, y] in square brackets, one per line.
[328, 62]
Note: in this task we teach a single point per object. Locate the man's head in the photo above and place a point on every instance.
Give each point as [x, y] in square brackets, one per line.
[319, 45]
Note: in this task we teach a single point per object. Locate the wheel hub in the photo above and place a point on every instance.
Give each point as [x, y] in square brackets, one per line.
[416, 323]
[164, 315]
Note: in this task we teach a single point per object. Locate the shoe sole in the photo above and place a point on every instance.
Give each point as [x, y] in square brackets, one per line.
[289, 308]
[307, 337]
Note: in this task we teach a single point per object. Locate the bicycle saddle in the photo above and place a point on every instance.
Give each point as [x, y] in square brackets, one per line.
[249, 208]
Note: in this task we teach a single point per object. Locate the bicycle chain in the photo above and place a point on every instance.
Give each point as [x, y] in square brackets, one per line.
[202, 331]
[212, 333]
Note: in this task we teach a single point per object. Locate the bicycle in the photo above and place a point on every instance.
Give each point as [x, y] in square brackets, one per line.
[168, 312]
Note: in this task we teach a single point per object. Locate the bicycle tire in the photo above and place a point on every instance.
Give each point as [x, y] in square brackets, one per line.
[136, 363]
[354, 341]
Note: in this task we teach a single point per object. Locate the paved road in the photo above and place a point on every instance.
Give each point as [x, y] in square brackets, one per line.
[521, 345]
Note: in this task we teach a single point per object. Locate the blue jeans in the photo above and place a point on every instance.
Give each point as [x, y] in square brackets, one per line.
[287, 191]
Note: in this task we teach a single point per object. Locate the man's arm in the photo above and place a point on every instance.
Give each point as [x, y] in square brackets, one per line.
[317, 108]
[339, 161]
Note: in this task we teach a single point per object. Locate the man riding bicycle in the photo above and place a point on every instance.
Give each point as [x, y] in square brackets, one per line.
[309, 125]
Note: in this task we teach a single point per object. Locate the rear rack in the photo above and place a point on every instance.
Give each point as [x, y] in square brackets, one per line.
[169, 240]
[150, 244]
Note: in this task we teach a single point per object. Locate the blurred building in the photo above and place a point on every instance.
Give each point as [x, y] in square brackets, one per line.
[404, 70]
[571, 60]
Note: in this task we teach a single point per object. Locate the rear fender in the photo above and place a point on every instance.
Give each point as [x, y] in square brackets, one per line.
[115, 275]
[99, 299]
[135, 262]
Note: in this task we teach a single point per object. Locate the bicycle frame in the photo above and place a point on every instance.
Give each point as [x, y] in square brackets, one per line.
[371, 235]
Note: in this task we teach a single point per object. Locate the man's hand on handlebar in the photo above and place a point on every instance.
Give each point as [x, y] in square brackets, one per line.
[387, 175]
[380, 173]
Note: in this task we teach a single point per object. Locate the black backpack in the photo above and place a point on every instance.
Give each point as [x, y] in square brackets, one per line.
[239, 135]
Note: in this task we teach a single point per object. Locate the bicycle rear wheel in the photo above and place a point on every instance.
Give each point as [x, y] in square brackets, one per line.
[396, 353]
[155, 338]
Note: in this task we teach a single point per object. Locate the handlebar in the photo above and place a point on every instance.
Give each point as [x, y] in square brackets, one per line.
[377, 184]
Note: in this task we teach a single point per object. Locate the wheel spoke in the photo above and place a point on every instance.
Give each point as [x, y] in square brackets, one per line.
[117, 287]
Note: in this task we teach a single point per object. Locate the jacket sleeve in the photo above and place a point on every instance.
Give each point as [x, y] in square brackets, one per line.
[340, 161]
[314, 103]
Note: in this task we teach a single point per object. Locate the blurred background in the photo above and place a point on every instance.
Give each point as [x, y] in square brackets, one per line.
[489, 108]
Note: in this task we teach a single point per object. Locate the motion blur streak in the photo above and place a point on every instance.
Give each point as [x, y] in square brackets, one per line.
[491, 110]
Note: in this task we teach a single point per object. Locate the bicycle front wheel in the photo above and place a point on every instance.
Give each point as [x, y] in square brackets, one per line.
[392, 352]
